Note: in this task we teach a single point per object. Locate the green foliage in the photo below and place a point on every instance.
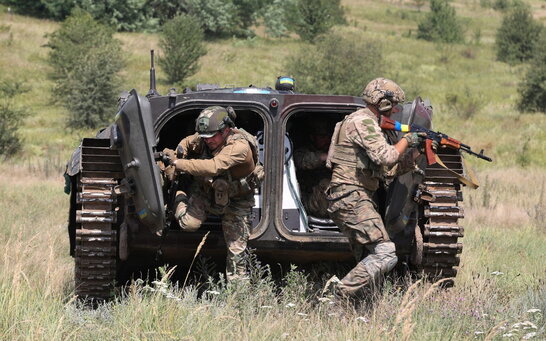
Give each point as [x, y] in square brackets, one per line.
[86, 60]
[532, 89]
[182, 44]
[465, 104]
[338, 64]
[274, 17]
[11, 116]
[311, 18]
[441, 24]
[27, 7]
[517, 36]
[124, 15]
[224, 17]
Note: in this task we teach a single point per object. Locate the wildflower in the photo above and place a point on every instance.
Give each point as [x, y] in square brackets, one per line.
[212, 292]
[324, 299]
[290, 305]
[266, 307]
[302, 314]
[528, 325]
[477, 332]
[529, 335]
[533, 310]
[507, 335]
[363, 319]
[332, 314]
[497, 273]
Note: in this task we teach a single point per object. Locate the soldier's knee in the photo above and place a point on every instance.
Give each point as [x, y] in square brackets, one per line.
[187, 222]
[382, 258]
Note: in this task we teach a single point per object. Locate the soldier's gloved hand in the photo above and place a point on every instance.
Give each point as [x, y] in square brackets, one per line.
[169, 154]
[170, 172]
[415, 140]
[435, 146]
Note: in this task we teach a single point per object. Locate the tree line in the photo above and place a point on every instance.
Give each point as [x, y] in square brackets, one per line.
[86, 59]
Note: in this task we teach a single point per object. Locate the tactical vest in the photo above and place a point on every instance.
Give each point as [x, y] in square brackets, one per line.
[246, 168]
[344, 152]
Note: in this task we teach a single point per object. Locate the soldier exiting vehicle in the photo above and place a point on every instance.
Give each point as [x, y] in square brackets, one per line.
[360, 157]
[224, 163]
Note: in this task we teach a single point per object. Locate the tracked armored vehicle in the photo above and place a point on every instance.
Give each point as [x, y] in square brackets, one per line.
[118, 203]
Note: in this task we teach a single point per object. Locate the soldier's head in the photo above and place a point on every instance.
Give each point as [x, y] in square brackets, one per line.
[214, 124]
[320, 133]
[383, 96]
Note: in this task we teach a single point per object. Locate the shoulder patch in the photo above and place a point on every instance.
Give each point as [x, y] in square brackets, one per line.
[367, 121]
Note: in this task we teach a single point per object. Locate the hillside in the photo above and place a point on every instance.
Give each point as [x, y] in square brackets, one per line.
[500, 292]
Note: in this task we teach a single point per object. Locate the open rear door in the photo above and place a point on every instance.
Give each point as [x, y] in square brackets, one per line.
[132, 135]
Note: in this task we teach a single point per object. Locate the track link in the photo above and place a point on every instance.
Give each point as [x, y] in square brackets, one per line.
[440, 219]
[97, 221]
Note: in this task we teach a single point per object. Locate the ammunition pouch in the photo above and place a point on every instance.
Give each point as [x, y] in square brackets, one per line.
[221, 192]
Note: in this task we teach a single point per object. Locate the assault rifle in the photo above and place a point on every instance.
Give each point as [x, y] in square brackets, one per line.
[442, 139]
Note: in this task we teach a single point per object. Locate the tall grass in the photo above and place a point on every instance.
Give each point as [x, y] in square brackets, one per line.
[500, 282]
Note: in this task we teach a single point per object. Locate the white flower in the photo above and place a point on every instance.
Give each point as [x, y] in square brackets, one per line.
[266, 307]
[497, 273]
[212, 292]
[332, 314]
[363, 319]
[533, 310]
[507, 335]
[477, 332]
[302, 314]
[290, 305]
[529, 335]
[528, 325]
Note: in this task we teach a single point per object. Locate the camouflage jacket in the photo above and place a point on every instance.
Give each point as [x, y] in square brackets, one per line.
[308, 157]
[234, 158]
[360, 130]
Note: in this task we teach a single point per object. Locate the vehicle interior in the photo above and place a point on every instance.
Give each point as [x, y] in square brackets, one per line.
[305, 178]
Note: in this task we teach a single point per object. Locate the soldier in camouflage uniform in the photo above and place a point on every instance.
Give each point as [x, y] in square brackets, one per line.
[224, 163]
[360, 157]
[310, 160]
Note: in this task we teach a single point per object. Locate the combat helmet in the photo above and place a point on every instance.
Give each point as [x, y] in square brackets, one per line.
[383, 93]
[213, 119]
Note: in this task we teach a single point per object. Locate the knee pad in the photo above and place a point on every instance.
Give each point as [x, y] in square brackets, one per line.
[187, 222]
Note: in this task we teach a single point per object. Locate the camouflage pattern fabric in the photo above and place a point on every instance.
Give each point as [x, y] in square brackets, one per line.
[193, 207]
[362, 130]
[380, 88]
[313, 188]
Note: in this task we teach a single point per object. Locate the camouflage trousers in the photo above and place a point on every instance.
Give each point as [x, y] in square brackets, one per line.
[192, 210]
[315, 201]
[354, 212]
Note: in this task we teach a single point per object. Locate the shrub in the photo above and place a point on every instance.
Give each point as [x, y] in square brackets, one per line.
[338, 64]
[441, 24]
[11, 117]
[182, 44]
[517, 36]
[224, 17]
[466, 104]
[311, 18]
[86, 60]
[532, 89]
[274, 16]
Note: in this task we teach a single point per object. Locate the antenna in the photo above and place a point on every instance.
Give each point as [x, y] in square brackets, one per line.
[153, 91]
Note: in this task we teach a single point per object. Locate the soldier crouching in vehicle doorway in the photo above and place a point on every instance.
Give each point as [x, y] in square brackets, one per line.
[310, 161]
[223, 161]
[360, 157]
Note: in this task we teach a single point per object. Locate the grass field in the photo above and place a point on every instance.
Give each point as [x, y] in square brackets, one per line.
[500, 292]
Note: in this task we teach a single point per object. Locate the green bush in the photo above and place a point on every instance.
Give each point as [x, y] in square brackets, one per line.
[441, 24]
[86, 60]
[338, 64]
[311, 18]
[224, 17]
[274, 18]
[517, 36]
[532, 89]
[11, 117]
[182, 44]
